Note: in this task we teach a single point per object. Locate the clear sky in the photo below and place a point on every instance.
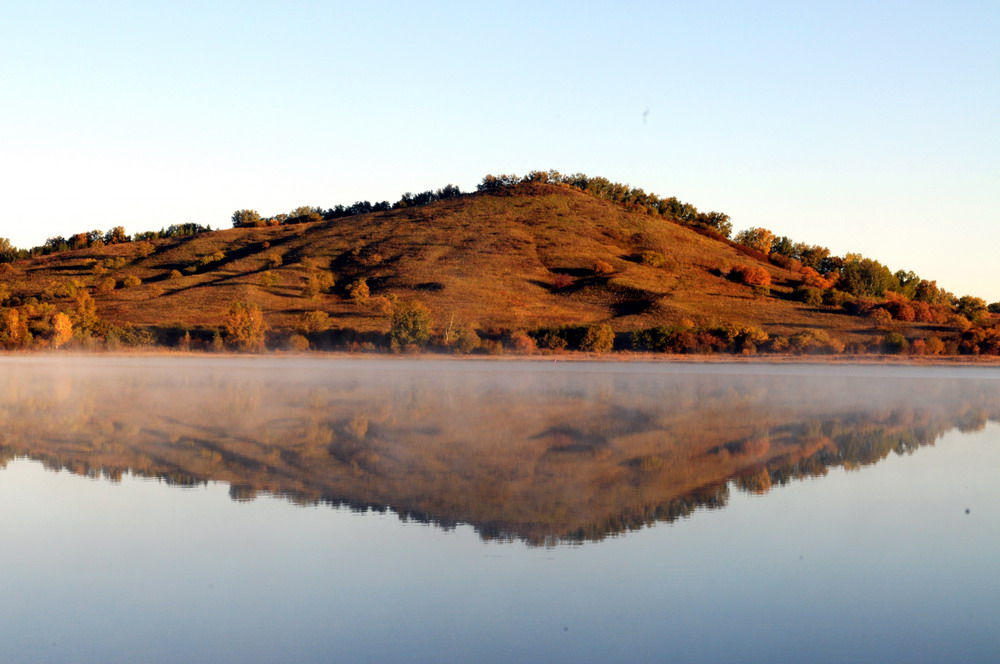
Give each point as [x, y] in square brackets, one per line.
[871, 127]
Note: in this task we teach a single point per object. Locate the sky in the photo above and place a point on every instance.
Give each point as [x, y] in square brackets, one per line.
[869, 127]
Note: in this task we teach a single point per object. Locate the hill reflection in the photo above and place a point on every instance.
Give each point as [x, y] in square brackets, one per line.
[531, 451]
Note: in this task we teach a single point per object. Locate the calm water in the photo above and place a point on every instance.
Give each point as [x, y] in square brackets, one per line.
[261, 510]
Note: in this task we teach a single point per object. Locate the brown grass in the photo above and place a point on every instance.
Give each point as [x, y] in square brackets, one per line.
[491, 258]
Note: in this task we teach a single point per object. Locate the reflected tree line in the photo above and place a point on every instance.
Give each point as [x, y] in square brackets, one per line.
[528, 453]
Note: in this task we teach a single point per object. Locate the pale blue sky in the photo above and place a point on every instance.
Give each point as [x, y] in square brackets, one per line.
[863, 126]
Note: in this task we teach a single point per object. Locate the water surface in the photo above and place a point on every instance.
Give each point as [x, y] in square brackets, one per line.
[303, 510]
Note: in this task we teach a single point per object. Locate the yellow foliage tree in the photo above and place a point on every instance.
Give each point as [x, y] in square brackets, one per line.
[62, 330]
[246, 327]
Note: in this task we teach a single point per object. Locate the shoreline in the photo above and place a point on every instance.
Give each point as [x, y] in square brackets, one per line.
[574, 357]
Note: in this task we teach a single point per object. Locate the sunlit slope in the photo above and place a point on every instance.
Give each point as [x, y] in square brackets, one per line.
[522, 257]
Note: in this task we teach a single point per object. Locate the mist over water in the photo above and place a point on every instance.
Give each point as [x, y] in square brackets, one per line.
[363, 493]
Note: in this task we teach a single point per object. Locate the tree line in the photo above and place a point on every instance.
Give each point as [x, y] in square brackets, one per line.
[306, 214]
[633, 198]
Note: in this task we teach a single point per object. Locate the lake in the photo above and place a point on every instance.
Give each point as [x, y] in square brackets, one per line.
[181, 509]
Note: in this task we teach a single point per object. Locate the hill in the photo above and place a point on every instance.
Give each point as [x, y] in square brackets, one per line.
[545, 260]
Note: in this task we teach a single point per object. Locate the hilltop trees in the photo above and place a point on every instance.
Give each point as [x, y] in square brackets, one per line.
[756, 238]
[243, 218]
[866, 277]
[8, 252]
[631, 198]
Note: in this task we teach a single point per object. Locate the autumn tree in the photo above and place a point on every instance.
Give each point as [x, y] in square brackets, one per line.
[85, 312]
[410, 324]
[598, 339]
[359, 290]
[973, 308]
[314, 321]
[756, 238]
[866, 277]
[247, 218]
[15, 332]
[116, 236]
[62, 330]
[246, 327]
[8, 252]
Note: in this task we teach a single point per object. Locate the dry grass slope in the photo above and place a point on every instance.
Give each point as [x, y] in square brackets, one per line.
[529, 256]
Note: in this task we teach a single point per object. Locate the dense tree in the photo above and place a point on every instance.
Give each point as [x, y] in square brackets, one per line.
[973, 308]
[245, 327]
[598, 339]
[410, 324]
[243, 218]
[8, 252]
[62, 330]
[359, 290]
[116, 236]
[866, 277]
[85, 313]
[759, 239]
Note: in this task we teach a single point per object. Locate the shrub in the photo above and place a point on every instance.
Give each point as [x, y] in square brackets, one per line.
[652, 259]
[561, 281]
[269, 279]
[467, 341]
[934, 346]
[778, 344]
[746, 339]
[815, 341]
[598, 339]
[603, 268]
[751, 275]
[217, 344]
[358, 290]
[114, 263]
[552, 339]
[131, 281]
[811, 277]
[808, 295]
[835, 298]
[880, 318]
[314, 321]
[208, 259]
[106, 285]
[145, 249]
[272, 259]
[786, 262]
[127, 335]
[651, 463]
[894, 343]
[298, 343]
[900, 307]
[174, 274]
[521, 342]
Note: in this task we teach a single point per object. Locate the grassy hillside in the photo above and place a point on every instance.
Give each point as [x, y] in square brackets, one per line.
[520, 257]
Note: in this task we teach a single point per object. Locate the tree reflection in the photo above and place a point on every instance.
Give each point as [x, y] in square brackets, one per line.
[528, 451]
